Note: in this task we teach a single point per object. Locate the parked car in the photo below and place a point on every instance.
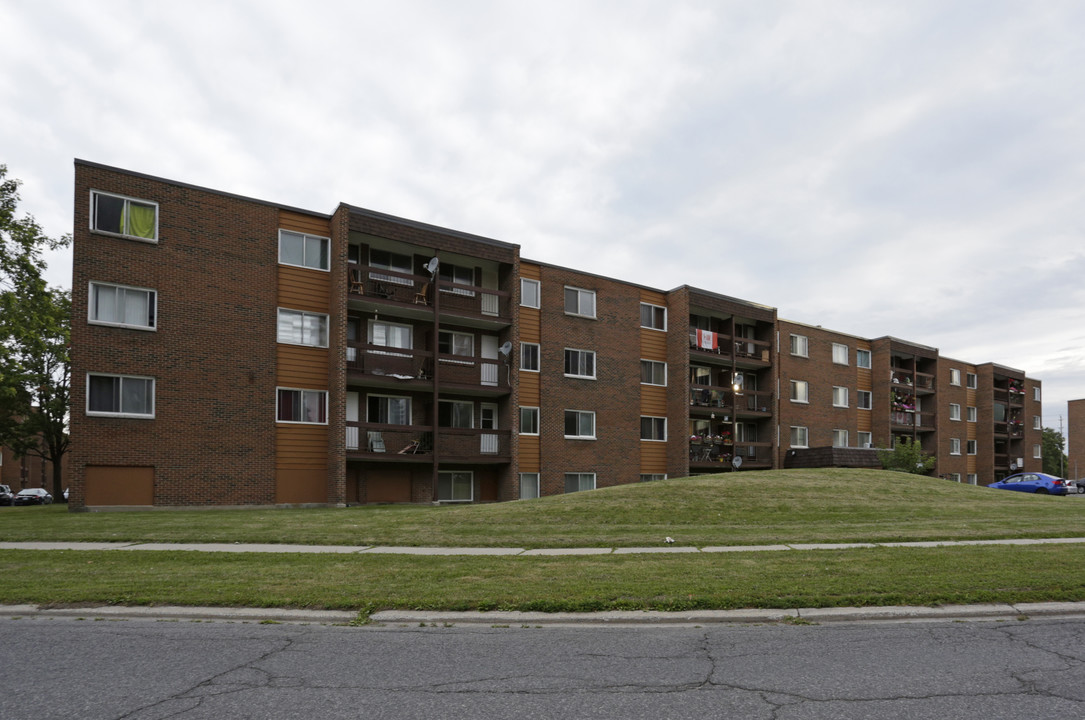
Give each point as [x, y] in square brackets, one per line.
[33, 496]
[6, 496]
[1039, 483]
[1077, 486]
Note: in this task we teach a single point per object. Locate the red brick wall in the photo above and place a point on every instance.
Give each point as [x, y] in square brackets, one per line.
[1075, 445]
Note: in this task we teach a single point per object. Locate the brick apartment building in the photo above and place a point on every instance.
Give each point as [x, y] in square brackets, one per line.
[1075, 443]
[231, 351]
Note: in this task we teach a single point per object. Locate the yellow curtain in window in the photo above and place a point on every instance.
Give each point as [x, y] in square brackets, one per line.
[140, 220]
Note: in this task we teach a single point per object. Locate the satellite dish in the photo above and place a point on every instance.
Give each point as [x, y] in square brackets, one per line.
[432, 265]
[736, 462]
[1013, 467]
[505, 349]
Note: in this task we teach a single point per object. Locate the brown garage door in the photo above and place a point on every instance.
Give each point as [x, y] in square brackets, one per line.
[388, 486]
[119, 485]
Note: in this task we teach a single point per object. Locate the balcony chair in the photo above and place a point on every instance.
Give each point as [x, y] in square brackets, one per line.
[357, 283]
[420, 296]
[376, 441]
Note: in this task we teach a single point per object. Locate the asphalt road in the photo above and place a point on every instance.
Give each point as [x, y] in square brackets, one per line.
[144, 670]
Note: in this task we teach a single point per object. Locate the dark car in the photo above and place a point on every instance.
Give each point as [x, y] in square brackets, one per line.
[1039, 483]
[6, 496]
[33, 496]
[1077, 486]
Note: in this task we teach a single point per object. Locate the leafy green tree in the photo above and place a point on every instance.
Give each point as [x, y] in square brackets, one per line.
[1052, 446]
[907, 456]
[35, 373]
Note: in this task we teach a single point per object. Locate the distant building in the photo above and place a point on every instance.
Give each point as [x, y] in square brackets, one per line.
[1075, 444]
[232, 351]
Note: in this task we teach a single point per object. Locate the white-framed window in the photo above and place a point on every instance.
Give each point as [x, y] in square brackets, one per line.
[653, 428]
[971, 380]
[840, 438]
[973, 478]
[840, 396]
[864, 399]
[955, 477]
[529, 357]
[388, 409]
[840, 354]
[800, 346]
[529, 420]
[800, 391]
[458, 274]
[799, 437]
[579, 302]
[862, 359]
[296, 405]
[1037, 423]
[580, 424]
[455, 414]
[954, 376]
[971, 413]
[530, 294]
[121, 306]
[1036, 394]
[386, 334]
[1037, 452]
[455, 486]
[866, 439]
[124, 216]
[652, 477]
[970, 447]
[653, 316]
[579, 363]
[450, 342]
[120, 395]
[529, 486]
[653, 372]
[388, 260]
[303, 328]
[301, 250]
[954, 446]
[579, 482]
[954, 411]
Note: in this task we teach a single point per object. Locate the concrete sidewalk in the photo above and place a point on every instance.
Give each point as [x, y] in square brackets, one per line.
[510, 552]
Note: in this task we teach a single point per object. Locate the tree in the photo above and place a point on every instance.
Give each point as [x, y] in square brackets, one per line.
[1052, 446]
[35, 373]
[907, 456]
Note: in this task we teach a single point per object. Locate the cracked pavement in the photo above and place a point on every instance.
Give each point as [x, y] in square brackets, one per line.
[152, 670]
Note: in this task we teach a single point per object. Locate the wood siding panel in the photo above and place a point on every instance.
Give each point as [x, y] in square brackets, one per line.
[299, 486]
[530, 271]
[653, 345]
[530, 454]
[653, 457]
[304, 289]
[106, 486]
[302, 367]
[301, 446]
[530, 325]
[653, 401]
[300, 222]
[529, 389]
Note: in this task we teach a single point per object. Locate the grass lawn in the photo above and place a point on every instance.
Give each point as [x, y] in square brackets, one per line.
[742, 508]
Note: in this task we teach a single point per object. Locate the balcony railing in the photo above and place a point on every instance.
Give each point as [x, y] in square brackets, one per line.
[400, 442]
[393, 286]
[719, 452]
[398, 363]
[468, 370]
[746, 349]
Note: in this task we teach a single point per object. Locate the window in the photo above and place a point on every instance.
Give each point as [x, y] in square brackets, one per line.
[578, 482]
[580, 424]
[387, 260]
[865, 399]
[529, 486]
[1037, 424]
[955, 477]
[653, 373]
[529, 357]
[303, 328]
[970, 378]
[302, 250]
[653, 316]
[651, 477]
[840, 354]
[973, 479]
[954, 446]
[970, 446]
[1036, 394]
[456, 343]
[971, 413]
[459, 275]
[862, 358]
[529, 421]
[1037, 452]
[388, 409]
[840, 438]
[386, 334]
[120, 395]
[954, 411]
[653, 428]
[579, 302]
[302, 406]
[840, 396]
[866, 439]
[127, 217]
[954, 376]
[579, 363]
[800, 391]
[122, 306]
[530, 294]
[455, 486]
[455, 414]
[800, 346]
[799, 437]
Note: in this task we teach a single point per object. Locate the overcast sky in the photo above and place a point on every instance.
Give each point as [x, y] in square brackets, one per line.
[914, 169]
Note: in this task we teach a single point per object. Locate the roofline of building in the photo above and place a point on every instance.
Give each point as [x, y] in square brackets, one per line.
[555, 266]
[419, 225]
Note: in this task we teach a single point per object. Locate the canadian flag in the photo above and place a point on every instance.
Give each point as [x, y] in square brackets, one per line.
[706, 339]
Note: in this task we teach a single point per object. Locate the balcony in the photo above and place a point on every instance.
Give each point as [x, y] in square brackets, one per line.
[381, 366]
[752, 353]
[399, 443]
[708, 345]
[377, 288]
[717, 455]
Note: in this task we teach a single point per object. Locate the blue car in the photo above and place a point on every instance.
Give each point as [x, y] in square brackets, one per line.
[1039, 483]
